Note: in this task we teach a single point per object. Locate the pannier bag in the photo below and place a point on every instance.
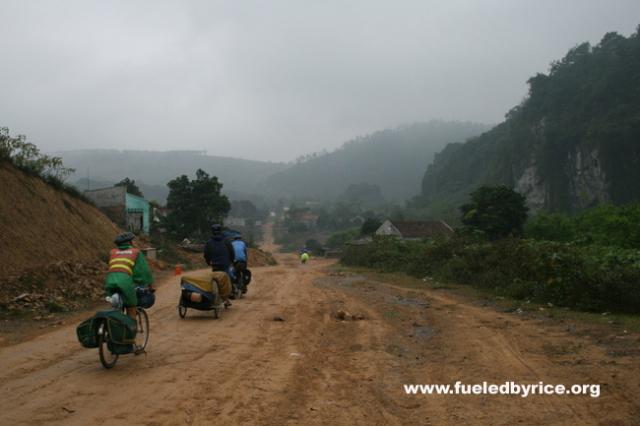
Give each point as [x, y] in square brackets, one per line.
[122, 331]
[87, 332]
[146, 298]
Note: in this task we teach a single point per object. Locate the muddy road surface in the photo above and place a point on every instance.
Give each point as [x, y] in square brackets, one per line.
[290, 353]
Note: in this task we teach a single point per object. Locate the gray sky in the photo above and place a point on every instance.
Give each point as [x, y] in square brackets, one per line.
[272, 80]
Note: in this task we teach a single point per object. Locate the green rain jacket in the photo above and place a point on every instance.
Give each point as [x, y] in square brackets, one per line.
[141, 277]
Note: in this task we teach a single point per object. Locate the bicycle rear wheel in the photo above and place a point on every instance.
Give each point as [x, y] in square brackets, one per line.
[142, 335]
[107, 359]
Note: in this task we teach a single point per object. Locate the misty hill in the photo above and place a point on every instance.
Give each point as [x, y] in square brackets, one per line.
[393, 159]
[572, 143]
[153, 169]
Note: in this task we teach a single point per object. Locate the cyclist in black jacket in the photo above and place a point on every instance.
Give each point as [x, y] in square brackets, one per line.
[218, 252]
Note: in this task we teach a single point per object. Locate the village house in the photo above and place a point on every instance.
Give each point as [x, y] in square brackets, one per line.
[129, 211]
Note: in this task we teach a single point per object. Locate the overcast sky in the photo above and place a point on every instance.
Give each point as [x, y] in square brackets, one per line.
[273, 80]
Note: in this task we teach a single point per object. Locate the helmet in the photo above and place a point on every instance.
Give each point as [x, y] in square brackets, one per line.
[237, 237]
[216, 228]
[124, 238]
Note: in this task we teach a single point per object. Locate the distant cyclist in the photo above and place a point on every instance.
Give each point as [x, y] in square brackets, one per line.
[304, 257]
[128, 269]
[240, 256]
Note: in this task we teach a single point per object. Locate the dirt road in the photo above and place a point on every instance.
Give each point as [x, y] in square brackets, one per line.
[313, 368]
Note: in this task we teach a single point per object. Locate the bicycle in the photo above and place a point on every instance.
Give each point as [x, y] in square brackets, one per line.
[242, 279]
[108, 358]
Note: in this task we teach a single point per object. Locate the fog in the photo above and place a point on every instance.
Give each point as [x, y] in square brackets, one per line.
[274, 80]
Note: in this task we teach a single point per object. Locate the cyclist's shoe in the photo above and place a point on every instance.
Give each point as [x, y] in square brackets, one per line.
[227, 303]
[244, 290]
[139, 351]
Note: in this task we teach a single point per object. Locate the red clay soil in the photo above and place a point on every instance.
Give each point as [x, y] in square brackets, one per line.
[40, 225]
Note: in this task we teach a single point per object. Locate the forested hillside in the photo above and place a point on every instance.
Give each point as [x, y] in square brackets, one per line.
[393, 159]
[572, 143]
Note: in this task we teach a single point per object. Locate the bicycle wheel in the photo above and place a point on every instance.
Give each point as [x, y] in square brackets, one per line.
[107, 359]
[142, 336]
[182, 311]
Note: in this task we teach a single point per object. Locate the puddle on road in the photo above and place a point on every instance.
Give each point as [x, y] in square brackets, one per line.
[411, 302]
[340, 280]
[423, 331]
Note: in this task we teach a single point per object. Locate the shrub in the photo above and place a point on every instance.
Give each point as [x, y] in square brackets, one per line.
[604, 225]
[583, 277]
[339, 238]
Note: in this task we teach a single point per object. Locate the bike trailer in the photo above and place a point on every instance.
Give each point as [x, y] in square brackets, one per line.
[203, 281]
[203, 285]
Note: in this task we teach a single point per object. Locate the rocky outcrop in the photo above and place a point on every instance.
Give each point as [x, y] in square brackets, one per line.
[587, 180]
[571, 144]
[531, 185]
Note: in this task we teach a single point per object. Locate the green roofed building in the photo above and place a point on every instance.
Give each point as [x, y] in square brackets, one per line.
[127, 210]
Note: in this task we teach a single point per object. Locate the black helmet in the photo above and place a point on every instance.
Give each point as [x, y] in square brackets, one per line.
[216, 228]
[124, 238]
[237, 237]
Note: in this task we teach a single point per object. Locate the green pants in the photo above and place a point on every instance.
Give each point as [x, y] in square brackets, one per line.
[122, 283]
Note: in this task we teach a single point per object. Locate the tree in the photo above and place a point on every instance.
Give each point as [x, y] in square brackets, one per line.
[315, 246]
[363, 194]
[194, 205]
[498, 211]
[27, 157]
[131, 186]
[370, 226]
[245, 209]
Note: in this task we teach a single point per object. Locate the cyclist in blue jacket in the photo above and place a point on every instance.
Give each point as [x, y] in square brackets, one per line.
[240, 256]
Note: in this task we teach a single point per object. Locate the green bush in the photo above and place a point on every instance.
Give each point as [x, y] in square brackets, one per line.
[339, 238]
[315, 247]
[591, 278]
[604, 225]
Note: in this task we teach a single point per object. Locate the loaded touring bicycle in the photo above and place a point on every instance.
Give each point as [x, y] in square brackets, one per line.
[115, 333]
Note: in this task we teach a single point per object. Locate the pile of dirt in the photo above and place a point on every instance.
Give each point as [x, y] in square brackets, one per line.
[41, 225]
[259, 257]
[59, 287]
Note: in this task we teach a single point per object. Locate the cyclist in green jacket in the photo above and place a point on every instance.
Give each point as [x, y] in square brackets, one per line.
[128, 269]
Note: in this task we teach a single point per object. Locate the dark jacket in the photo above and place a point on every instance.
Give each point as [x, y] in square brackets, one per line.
[218, 253]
